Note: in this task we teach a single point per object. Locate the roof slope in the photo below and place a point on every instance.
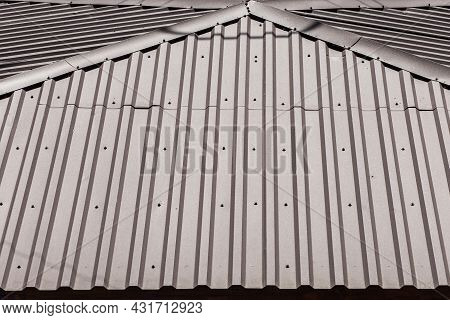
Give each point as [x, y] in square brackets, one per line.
[244, 154]
[424, 32]
[35, 34]
[358, 44]
[280, 4]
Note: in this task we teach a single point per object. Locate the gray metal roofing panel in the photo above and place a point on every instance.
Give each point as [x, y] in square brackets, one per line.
[422, 32]
[396, 58]
[110, 176]
[37, 34]
[288, 20]
[122, 48]
[305, 26]
[281, 4]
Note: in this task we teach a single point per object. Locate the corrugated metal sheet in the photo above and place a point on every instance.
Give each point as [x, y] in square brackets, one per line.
[424, 32]
[245, 155]
[279, 4]
[36, 34]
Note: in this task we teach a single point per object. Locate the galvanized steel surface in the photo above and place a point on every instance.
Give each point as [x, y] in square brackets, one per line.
[125, 174]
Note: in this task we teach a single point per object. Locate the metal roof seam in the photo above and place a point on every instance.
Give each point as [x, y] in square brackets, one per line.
[306, 108]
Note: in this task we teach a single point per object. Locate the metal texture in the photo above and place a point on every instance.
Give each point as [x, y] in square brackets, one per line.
[123, 174]
[307, 27]
[424, 32]
[281, 4]
[36, 34]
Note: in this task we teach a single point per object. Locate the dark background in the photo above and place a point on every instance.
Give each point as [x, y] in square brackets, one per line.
[235, 292]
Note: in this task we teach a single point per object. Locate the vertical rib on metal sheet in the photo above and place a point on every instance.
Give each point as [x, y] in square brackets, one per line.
[267, 167]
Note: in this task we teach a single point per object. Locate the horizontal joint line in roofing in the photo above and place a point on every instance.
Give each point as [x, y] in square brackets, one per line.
[344, 39]
[281, 4]
[221, 107]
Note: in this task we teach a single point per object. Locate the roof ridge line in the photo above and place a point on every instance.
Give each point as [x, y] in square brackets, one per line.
[358, 44]
[280, 4]
[347, 40]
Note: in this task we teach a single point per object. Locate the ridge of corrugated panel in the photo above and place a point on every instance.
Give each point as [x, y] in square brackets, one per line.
[244, 154]
[281, 4]
[423, 32]
[307, 27]
[36, 34]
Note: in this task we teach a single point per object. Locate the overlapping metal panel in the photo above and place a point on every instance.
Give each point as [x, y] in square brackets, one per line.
[244, 155]
[35, 34]
[424, 32]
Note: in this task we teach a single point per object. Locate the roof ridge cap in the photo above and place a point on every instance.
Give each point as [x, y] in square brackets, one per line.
[347, 40]
[281, 4]
[358, 44]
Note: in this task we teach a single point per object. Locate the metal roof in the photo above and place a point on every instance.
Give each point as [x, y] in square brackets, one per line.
[244, 153]
[280, 4]
[424, 32]
[36, 34]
